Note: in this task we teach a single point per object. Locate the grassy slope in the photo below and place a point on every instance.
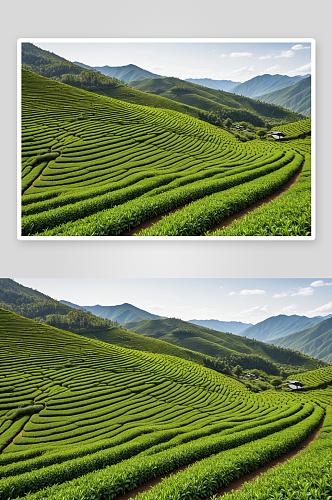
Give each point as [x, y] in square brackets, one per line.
[315, 341]
[296, 98]
[87, 406]
[210, 99]
[215, 343]
[49, 362]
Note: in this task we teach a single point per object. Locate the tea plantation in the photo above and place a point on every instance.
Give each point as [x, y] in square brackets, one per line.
[81, 419]
[96, 166]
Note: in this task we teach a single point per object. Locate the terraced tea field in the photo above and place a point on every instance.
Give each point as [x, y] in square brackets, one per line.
[95, 166]
[80, 419]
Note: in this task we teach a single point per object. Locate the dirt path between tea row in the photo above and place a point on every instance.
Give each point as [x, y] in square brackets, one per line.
[227, 221]
[237, 483]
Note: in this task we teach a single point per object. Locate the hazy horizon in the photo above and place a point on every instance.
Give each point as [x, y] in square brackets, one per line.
[231, 299]
[237, 61]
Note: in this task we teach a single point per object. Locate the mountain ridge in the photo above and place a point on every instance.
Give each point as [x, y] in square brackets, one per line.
[264, 84]
[275, 326]
[315, 341]
[297, 97]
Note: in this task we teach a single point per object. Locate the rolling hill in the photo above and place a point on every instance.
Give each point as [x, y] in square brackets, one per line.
[315, 341]
[122, 313]
[221, 326]
[217, 101]
[297, 97]
[218, 344]
[265, 84]
[84, 419]
[279, 326]
[50, 65]
[126, 73]
[168, 336]
[226, 85]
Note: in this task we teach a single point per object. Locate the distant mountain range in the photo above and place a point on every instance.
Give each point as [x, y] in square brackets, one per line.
[264, 84]
[315, 341]
[225, 104]
[226, 85]
[122, 313]
[149, 89]
[278, 326]
[221, 326]
[126, 73]
[297, 97]
[150, 332]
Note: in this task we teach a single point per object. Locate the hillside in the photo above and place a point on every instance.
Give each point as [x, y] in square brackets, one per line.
[315, 341]
[35, 305]
[122, 313]
[220, 345]
[296, 97]
[54, 367]
[279, 326]
[126, 73]
[226, 104]
[226, 85]
[264, 84]
[51, 65]
[221, 326]
[99, 166]
[79, 418]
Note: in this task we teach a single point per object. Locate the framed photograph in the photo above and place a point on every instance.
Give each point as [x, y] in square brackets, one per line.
[166, 139]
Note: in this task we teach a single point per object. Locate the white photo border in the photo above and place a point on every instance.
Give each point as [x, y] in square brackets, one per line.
[312, 41]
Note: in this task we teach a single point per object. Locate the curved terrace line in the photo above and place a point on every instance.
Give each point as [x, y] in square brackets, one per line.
[237, 483]
[227, 221]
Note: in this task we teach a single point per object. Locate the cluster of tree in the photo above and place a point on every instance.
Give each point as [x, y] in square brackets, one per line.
[33, 308]
[253, 361]
[90, 80]
[77, 321]
[218, 365]
[274, 111]
[225, 117]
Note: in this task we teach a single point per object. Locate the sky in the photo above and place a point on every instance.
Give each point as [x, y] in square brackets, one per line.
[247, 300]
[236, 61]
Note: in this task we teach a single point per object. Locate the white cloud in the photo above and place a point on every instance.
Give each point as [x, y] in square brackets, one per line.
[320, 283]
[299, 46]
[268, 56]
[242, 72]
[303, 70]
[232, 293]
[273, 68]
[278, 295]
[304, 291]
[288, 309]
[326, 308]
[285, 53]
[254, 311]
[241, 54]
[223, 55]
[252, 292]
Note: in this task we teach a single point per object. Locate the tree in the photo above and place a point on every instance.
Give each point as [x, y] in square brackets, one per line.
[276, 382]
[237, 370]
[228, 122]
[261, 133]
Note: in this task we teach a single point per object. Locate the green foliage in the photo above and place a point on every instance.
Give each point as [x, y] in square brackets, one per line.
[276, 382]
[289, 215]
[52, 66]
[122, 168]
[238, 370]
[107, 419]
